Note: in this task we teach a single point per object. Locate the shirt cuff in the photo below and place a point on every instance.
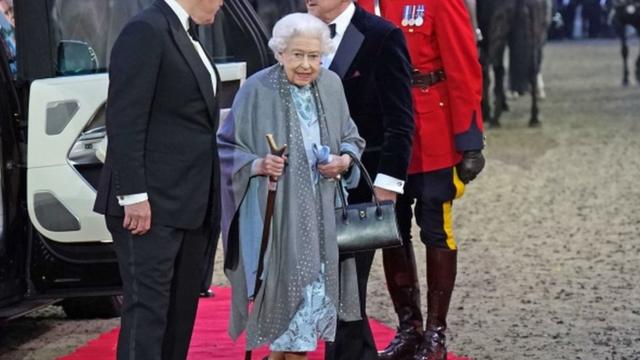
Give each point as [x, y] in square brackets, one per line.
[132, 199]
[389, 183]
[472, 139]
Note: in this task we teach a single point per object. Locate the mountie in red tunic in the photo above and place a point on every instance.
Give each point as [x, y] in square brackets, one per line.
[448, 92]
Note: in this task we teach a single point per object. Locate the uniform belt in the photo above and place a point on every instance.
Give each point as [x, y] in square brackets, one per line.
[425, 80]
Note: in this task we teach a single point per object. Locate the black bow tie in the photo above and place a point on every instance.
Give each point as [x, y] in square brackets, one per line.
[193, 30]
[332, 30]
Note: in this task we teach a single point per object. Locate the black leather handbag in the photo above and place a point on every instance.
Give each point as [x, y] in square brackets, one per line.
[366, 226]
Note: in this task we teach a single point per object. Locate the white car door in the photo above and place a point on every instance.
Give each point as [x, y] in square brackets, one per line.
[66, 136]
[59, 199]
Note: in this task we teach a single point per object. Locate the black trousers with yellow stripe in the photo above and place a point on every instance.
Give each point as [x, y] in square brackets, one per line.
[433, 194]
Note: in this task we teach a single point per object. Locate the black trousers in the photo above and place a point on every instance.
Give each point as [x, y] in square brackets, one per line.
[161, 274]
[209, 259]
[433, 194]
[354, 339]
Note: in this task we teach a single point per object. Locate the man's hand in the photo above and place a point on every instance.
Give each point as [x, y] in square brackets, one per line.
[383, 194]
[335, 167]
[470, 166]
[137, 217]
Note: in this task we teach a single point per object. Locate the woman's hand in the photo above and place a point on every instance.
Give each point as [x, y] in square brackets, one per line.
[338, 165]
[272, 165]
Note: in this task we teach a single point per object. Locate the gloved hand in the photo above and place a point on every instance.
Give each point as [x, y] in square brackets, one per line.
[470, 166]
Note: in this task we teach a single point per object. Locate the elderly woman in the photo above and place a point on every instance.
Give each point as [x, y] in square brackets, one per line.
[303, 106]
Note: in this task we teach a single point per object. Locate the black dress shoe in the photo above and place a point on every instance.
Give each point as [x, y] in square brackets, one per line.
[207, 294]
[403, 346]
[433, 345]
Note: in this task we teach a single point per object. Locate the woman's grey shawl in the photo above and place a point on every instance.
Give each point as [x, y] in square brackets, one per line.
[296, 250]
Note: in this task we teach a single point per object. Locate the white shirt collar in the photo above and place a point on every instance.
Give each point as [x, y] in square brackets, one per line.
[343, 20]
[181, 13]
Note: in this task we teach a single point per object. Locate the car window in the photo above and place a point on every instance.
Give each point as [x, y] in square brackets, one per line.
[92, 23]
[270, 11]
[84, 32]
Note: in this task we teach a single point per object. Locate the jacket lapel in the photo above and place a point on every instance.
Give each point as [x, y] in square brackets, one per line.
[216, 108]
[347, 50]
[190, 54]
[216, 117]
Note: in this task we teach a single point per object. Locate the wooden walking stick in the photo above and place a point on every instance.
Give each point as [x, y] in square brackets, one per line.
[268, 215]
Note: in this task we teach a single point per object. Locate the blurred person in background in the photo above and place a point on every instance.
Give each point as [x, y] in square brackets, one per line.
[6, 9]
[7, 32]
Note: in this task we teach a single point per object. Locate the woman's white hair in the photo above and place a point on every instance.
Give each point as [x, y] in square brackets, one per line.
[300, 24]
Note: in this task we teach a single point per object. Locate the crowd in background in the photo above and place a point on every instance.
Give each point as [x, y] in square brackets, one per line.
[582, 19]
[573, 18]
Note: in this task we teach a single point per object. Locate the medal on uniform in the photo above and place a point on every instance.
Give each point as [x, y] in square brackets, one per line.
[405, 16]
[412, 20]
[420, 15]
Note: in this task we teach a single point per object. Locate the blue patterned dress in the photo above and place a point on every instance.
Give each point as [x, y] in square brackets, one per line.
[316, 318]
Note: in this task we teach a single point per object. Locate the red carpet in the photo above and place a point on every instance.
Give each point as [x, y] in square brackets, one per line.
[210, 339]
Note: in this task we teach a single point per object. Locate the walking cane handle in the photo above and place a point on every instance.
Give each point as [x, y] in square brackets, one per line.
[275, 150]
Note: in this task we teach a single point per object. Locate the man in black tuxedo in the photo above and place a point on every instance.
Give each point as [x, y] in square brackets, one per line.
[159, 188]
[373, 61]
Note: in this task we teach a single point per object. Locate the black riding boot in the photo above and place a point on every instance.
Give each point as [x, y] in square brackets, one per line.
[441, 277]
[402, 281]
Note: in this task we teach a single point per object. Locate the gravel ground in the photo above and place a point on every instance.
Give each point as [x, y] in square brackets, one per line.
[549, 234]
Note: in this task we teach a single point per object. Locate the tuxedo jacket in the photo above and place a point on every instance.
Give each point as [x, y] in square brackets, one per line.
[373, 62]
[161, 121]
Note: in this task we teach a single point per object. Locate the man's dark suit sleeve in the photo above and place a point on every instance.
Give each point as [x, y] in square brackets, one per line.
[135, 63]
[393, 78]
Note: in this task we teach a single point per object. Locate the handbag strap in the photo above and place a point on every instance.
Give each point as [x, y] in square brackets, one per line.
[365, 174]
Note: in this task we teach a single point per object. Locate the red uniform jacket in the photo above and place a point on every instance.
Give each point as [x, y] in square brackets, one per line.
[447, 115]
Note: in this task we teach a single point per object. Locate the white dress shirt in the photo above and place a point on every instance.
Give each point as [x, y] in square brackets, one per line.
[183, 16]
[342, 23]
[184, 20]
[343, 20]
